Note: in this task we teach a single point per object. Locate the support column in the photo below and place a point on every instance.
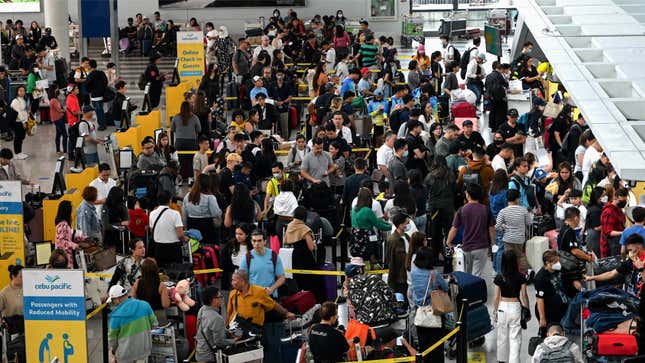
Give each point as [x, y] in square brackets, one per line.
[114, 28]
[56, 15]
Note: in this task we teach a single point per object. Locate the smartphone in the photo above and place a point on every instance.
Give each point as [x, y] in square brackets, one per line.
[399, 341]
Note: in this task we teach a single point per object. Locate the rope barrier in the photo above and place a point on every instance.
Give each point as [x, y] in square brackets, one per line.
[390, 360]
[207, 271]
[98, 275]
[330, 273]
[95, 311]
[441, 341]
[191, 355]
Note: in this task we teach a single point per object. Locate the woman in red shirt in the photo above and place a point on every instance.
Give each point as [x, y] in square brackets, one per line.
[341, 43]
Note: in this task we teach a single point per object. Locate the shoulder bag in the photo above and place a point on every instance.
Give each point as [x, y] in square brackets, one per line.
[425, 316]
[441, 302]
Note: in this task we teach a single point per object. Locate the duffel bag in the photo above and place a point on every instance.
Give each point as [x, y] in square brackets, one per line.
[614, 345]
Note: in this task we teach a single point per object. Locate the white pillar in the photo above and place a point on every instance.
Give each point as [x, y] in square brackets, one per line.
[56, 17]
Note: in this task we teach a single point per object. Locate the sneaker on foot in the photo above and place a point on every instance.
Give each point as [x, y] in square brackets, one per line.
[76, 169]
[21, 156]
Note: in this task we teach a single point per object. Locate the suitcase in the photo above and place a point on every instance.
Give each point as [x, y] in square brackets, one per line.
[479, 323]
[293, 120]
[552, 235]
[191, 329]
[300, 302]
[471, 287]
[233, 90]
[535, 247]
[330, 282]
[463, 110]
[614, 345]
[542, 224]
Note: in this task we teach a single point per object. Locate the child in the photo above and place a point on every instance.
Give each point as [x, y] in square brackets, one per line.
[138, 218]
[575, 200]
[512, 221]
[568, 242]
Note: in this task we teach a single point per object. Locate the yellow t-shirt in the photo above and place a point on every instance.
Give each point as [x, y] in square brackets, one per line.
[251, 305]
[273, 186]
[239, 126]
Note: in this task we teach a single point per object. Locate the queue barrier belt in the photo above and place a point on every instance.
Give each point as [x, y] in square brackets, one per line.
[95, 311]
[440, 342]
[292, 271]
[283, 152]
[390, 360]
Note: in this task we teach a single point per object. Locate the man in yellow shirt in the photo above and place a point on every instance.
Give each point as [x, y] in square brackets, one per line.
[251, 302]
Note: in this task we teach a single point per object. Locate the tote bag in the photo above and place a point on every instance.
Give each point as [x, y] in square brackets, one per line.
[425, 316]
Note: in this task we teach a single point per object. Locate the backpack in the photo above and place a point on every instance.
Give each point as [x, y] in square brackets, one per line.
[141, 83]
[373, 299]
[470, 177]
[529, 189]
[456, 56]
[74, 132]
[567, 144]
[464, 60]
[561, 354]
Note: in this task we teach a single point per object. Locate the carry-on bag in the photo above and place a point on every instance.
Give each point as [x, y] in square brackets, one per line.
[535, 247]
[614, 345]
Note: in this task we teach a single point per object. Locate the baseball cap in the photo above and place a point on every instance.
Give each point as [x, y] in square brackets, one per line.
[87, 108]
[116, 291]
[364, 70]
[256, 78]
[481, 56]
[539, 173]
[513, 113]
[378, 92]
[358, 261]
[467, 123]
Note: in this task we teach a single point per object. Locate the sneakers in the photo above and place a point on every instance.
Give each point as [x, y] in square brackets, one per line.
[21, 156]
[75, 169]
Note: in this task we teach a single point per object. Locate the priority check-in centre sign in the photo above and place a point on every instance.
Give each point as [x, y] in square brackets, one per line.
[190, 54]
[54, 315]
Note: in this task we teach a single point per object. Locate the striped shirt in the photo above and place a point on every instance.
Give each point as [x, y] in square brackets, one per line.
[368, 54]
[512, 222]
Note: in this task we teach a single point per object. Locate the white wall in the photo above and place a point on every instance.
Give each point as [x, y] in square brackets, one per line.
[234, 18]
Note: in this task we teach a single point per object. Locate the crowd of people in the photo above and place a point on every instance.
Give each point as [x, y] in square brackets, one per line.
[430, 186]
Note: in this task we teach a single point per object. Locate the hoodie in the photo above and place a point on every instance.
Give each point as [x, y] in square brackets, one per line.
[485, 172]
[129, 330]
[554, 342]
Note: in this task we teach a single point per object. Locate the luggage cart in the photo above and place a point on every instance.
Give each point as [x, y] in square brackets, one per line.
[164, 348]
[246, 351]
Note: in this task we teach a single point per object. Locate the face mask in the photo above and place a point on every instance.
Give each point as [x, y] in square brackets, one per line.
[499, 142]
[604, 199]
[405, 154]
[59, 264]
[556, 266]
[622, 204]
[272, 33]
[529, 51]
[277, 175]
[279, 78]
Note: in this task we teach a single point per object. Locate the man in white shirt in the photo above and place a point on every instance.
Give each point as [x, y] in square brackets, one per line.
[592, 154]
[475, 74]
[343, 131]
[330, 54]
[499, 160]
[103, 184]
[385, 153]
[167, 232]
[448, 53]
[266, 45]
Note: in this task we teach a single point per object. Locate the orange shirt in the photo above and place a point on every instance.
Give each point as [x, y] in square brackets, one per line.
[72, 105]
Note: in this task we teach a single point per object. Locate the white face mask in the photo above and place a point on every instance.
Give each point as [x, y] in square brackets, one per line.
[277, 176]
[557, 266]
[604, 199]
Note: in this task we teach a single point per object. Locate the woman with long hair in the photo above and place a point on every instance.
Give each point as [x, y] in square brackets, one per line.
[128, 270]
[320, 78]
[593, 227]
[510, 299]
[363, 223]
[420, 194]
[64, 233]
[300, 236]
[115, 219]
[57, 116]
[150, 289]
[441, 186]
[21, 112]
[194, 25]
[563, 182]
[243, 208]
[497, 200]
[164, 149]
[264, 160]
[201, 211]
[403, 201]
[34, 34]
[185, 127]
[422, 59]
[210, 84]
[436, 132]
[202, 111]
[424, 280]
[337, 175]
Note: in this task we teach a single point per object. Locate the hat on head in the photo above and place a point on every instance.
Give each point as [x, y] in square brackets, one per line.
[352, 270]
[256, 78]
[70, 87]
[365, 70]
[358, 261]
[378, 92]
[19, 36]
[87, 108]
[223, 31]
[467, 123]
[537, 101]
[513, 113]
[481, 56]
[421, 48]
[116, 291]
[539, 173]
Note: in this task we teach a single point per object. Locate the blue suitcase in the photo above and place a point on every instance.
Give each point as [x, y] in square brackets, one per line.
[479, 323]
[471, 287]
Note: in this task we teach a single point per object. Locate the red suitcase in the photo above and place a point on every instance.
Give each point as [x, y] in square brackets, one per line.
[615, 345]
[300, 302]
[206, 258]
[191, 329]
[293, 117]
[463, 109]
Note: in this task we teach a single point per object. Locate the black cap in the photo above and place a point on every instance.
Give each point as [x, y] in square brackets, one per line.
[513, 113]
[87, 108]
[467, 123]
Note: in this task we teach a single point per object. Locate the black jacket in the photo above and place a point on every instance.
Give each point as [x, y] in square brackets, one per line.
[117, 108]
[96, 83]
[496, 86]
[268, 118]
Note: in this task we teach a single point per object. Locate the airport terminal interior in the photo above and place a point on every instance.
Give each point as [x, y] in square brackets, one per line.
[322, 181]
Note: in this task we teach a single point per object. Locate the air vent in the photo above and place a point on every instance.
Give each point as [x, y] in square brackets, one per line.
[632, 109]
[619, 89]
[602, 70]
[591, 56]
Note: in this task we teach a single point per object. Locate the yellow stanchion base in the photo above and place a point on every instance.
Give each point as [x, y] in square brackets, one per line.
[476, 357]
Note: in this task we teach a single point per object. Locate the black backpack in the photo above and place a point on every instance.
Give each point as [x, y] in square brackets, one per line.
[464, 60]
[456, 56]
[74, 131]
[568, 145]
[470, 177]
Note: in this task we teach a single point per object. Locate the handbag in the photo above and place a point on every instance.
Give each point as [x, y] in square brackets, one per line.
[441, 302]
[533, 344]
[425, 316]
[552, 109]
[525, 317]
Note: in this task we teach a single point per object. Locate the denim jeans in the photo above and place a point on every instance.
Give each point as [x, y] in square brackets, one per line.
[100, 115]
[497, 257]
[61, 131]
[476, 87]
[91, 159]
